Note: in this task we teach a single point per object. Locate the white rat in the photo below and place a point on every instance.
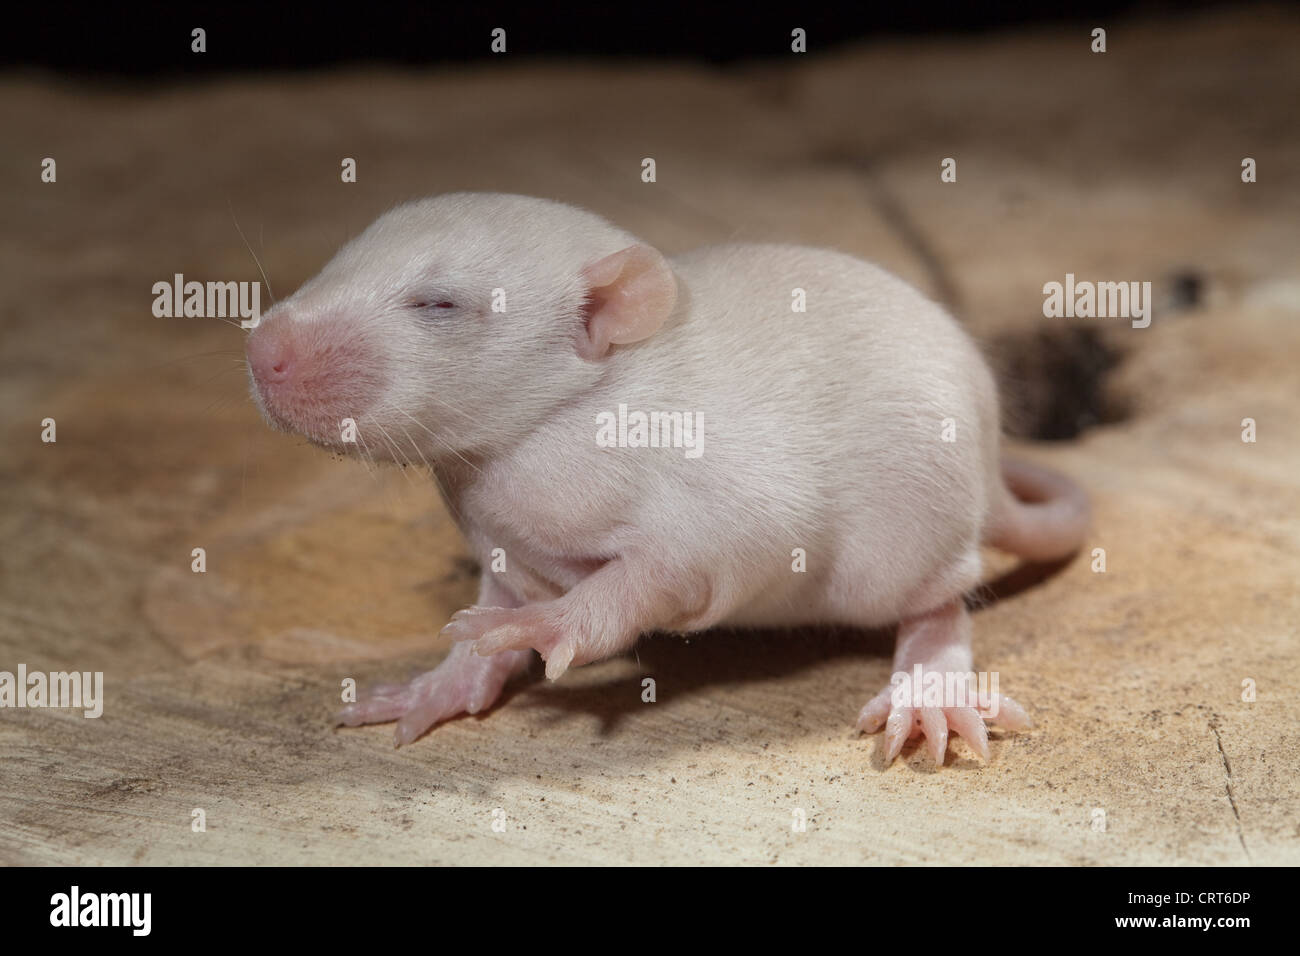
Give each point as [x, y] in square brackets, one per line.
[843, 466]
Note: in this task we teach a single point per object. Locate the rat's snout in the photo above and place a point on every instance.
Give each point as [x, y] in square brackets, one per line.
[310, 372]
[270, 353]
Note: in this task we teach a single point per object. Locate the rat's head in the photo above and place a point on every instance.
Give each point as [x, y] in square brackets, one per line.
[453, 325]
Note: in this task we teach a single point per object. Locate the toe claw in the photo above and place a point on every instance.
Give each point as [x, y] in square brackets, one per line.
[557, 662]
[897, 729]
[935, 725]
[457, 630]
[1010, 714]
[873, 715]
[967, 722]
[470, 623]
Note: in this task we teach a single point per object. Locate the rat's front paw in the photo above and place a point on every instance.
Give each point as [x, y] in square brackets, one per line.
[497, 630]
[463, 683]
[902, 718]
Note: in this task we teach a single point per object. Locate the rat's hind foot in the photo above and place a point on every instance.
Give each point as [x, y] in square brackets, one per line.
[939, 642]
[462, 684]
[904, 722]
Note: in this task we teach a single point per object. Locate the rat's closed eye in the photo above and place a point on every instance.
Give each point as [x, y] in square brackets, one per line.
[433, 304]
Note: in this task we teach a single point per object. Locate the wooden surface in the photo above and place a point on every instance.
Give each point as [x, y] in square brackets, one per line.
[220, 686]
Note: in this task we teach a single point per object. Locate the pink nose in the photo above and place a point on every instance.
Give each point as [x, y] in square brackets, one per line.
[270, 353]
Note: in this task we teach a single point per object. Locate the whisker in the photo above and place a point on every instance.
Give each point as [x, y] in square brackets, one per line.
[436, 438]
[433, 472]
[397, 453]
[221, 402]
[415, 447]
[367, 460]
[269, 290]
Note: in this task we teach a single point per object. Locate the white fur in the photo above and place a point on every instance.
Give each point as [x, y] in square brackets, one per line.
[823, 429]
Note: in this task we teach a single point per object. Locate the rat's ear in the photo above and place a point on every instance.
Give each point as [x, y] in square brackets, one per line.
[630, 294]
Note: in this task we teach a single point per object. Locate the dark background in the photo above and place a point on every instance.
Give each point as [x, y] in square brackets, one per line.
[153, 39]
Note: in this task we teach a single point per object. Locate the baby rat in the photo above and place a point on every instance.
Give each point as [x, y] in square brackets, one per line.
[838, 465]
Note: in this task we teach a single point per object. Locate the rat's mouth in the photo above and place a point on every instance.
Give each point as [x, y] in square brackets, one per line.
[294, 410]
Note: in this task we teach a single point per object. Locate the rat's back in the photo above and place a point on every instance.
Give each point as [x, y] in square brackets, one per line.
[864, 428]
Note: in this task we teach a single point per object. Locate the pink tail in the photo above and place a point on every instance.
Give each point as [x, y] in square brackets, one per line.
[1043, 515]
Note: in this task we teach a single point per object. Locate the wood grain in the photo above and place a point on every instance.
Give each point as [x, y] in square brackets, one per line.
[220, 686]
